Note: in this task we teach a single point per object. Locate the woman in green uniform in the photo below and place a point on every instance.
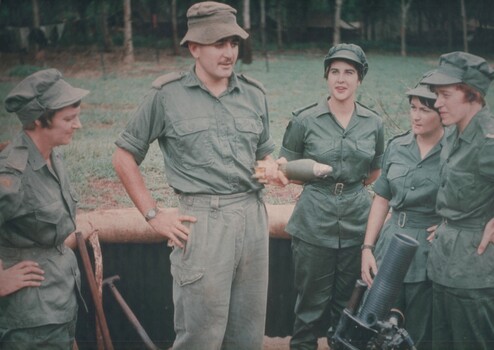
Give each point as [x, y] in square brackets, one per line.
[461, 259]
[37, 213]
[408, 185]
[328, 222]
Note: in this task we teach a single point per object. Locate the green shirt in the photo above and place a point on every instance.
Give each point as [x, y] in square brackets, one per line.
[37, 213]
[410, 184]
[466, 201]
[210, 144]
[320, 217]
[467, 172]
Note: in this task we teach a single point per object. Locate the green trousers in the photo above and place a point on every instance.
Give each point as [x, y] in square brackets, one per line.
[46, 337]
[324, 280]
[415, 301]
[463, 319]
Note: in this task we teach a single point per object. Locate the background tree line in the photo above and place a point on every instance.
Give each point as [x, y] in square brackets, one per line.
[393, 25]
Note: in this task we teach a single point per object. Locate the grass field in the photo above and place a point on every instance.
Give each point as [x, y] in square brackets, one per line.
[292, 80]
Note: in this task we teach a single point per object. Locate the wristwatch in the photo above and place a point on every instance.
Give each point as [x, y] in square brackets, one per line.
[151, 213]
[367, 246]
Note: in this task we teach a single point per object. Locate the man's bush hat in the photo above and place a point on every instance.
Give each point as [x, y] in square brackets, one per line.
[210, 21]
[39, 92]
[461, 67]
[349, 52]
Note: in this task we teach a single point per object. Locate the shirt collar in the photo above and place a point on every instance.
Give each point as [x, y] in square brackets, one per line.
[323, 108]
[192, 80]
[35, 158]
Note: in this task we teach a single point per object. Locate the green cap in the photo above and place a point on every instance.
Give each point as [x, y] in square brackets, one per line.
[210, 21]
[423, 90]
[461, 67]
[40, 92]
[349, 52]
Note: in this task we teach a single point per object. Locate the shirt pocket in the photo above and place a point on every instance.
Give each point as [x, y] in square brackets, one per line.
[462, 190]
[397, 175]
[365, 149]
[194, 143]
[247, 138]
[49, 224]
[327, 151]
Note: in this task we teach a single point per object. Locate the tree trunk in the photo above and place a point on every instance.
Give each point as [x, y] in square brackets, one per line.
[105, 32]
[405, 6]
[279, 24]
[128, 46]
[246, 54]
[464, 23]
[176, 42]
[262, 5]
[337, 20]
[36, 25]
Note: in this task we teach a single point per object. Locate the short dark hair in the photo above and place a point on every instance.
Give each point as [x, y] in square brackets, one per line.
[358, 67]
[47, 117]
[428, 102]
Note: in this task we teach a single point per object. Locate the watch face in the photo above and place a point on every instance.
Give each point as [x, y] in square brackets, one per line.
[151, 214]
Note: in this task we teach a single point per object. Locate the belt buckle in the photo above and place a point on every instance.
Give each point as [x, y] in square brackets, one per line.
[402, 218]
[338, 188]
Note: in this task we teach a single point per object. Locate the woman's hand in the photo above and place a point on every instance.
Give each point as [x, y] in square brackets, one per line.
[432, 233]
[369, 267]
[24, 274]
[488, 237]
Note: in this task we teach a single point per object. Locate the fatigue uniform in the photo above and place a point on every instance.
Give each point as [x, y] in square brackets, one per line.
[328, 222]
[463, 280]
[37, 213]
[410, 184]
[210, 145]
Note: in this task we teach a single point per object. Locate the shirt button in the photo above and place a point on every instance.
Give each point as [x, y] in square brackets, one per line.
[412, 188]
[419, 166]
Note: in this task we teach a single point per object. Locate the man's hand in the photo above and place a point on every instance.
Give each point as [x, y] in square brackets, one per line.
[24, 274]
[369, 267]
[267, 172]
[170, 224]
[488, 237]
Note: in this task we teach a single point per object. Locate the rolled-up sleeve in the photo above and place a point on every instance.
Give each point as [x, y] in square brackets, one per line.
[146, 126]
[266, 143]
[378, 158]
[293, 141]
[10, 196]
[381, 186]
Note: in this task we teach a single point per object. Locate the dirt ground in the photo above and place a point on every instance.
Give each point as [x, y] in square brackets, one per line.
[283, 343]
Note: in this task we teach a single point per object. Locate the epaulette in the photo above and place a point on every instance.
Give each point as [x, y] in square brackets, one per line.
[17, 159]
[253, 81]
[398, 136]
[367, 108]
[167, 78]
[300, 110]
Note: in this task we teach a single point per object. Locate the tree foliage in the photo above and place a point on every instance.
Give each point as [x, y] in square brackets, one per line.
[430, 24]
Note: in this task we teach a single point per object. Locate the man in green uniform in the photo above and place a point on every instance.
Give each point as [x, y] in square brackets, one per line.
[212, 125]
[37, 213]
[461, 259]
